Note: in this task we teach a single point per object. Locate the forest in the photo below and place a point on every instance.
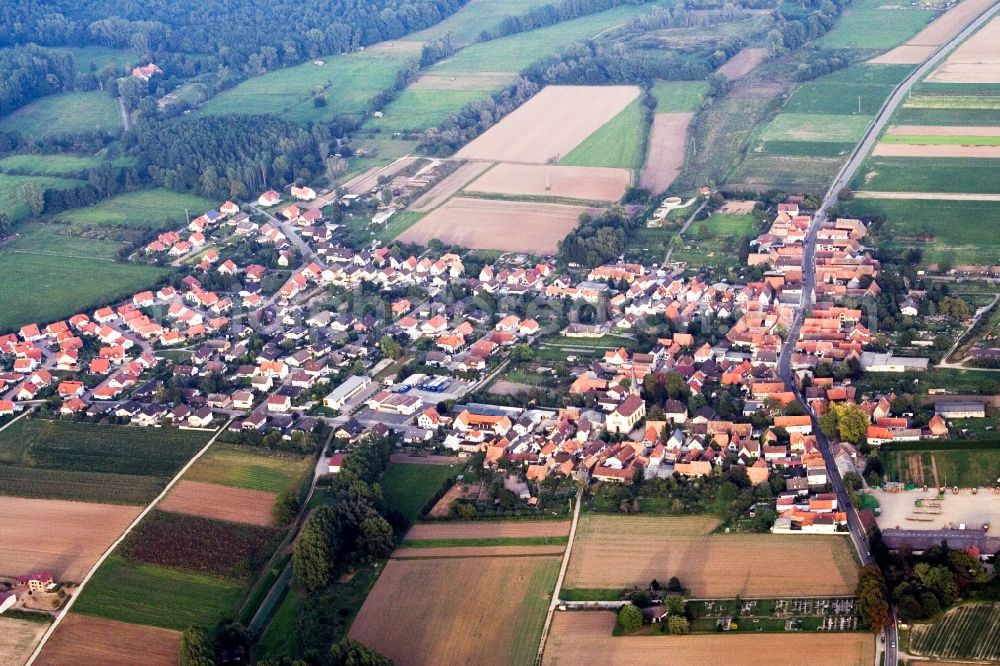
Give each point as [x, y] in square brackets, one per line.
[29, 72]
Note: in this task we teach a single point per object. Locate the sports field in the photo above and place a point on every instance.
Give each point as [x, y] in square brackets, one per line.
[65, 113]
[585, 637]
[469, 607]
[619, 552]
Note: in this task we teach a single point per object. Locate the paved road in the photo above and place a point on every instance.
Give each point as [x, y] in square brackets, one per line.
[808, 297]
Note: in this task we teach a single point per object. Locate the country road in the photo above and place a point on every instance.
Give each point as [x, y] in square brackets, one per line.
[808, 297]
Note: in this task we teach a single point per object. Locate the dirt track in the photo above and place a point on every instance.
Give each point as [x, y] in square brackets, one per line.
[550, 124]
[82, 640]
[584, 637]
[936, 33]
[665, 156]
[489, 530]
[210, 500]
[64, 538]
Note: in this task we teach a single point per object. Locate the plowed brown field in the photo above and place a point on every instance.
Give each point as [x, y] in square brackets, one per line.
[487, 530]
[587, 183]
[584, 637]
[210, 500]
[743, 63]
[937, 32]
[934, 150]
[550, 124]
[665, 157]
[82, 640]
[618, 552]
[64, 538]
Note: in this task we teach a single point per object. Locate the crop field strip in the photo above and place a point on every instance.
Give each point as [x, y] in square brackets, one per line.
[243, 467]
[82, 639]
[969, 631]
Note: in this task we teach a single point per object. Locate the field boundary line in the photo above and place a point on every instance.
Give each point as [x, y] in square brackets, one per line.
[559, 581]
[107, 553]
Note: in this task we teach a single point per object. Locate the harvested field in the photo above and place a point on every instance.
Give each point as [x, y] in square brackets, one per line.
[883, 149]
[665, 154]
[467, 81]
[364, 182]
[65, 538]
[976, 60]
[711, 565]
[927, 196]
[471, 610]
[448, 186]
[937, 32]
[407, 553]
[743, 63]
[511, 226]
[942, 130]
[585, 637]
[82, 639]
[487, 530]
[587, 183]
[738, 207]
[550, 124]
[210, 500]
[18, 639]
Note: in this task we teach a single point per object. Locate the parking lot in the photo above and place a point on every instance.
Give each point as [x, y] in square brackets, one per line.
[437, 387]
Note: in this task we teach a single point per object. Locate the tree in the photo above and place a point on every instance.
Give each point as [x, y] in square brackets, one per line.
[196, 648]
[376, 539]
[349, 652]
[873, 606]
[629, 618]
[285, 507]
[5, 224]
[312, 554]
[677, 625]
[675, 604]
[33, 198]
[390, 348]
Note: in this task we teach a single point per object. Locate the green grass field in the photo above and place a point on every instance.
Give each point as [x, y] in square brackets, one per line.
[715, 241]
[967, 631]
[838, 93]
[348, 82]
[868, 24]
[157, 596]
[62, 286]
[962, 232]
[921, 140]
[57, 240]
[65, 113]
[928, 174]
[96, 58]
[815, 127]
[476, 16]
[417, 109]
[921, 116]
[515, 52]
[678, 96]
[408, 487]
[620, 142]
[966, 468]
[242, 467]
[794, 173]
[59, 164]
[146, 208]
[12, 201]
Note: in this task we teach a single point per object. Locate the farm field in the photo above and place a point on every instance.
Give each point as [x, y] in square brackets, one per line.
[665, 154]
[157, 596]
[11, 199]
[210, 500]
[147, 208]
[88, 447]
[884, 149]
[242, 467]
[91, 640]
[551, 124]
[967, 468]
[937, 32]
[449, 550]
[488, 530]
[894, 174]
[78, 486]
[65, 113]
[931, 225]
[408, 487]
[420, 108]
[871, 24]
[65, 165]
[62, 286]
[969, 631]
[793, 172]
[478, 15]
[507, 602]
[976, 60]
[678, 96]
[743, 63]
[837, 93]
[449, 186]
[815, 127]
[584, 183]
[710, 565]
[621, 142]
[348, 82]
[585, 637]
[18, 639]
[65, 538]
[512, 226]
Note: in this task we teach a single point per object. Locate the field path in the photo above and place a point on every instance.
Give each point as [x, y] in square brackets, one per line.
[562, 574]
[61, 615]
[927, 196]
